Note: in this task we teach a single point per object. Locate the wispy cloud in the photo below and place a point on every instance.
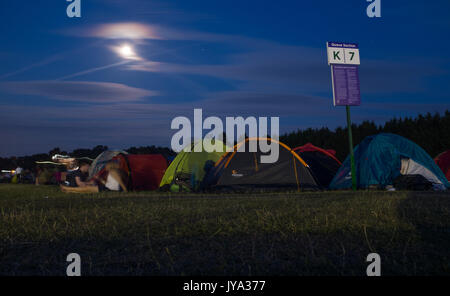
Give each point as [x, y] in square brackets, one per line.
[78, 91]
[300, 69]
[126, 30]
[49, 60]
[263, 65]
[144, 31]
[123, 124]
[35, 65]
[92, 70]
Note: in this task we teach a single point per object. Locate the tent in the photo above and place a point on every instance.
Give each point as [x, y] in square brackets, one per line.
[101, 160]
[323, 163]
[443, 161]
[381, 159]
[243, 171]
[187, 170]
[144, 171]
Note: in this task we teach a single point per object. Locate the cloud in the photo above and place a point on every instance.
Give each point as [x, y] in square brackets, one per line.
[266, 65]
[124, 124]
[78, 91]
[128, 30]
[251, 103]
[299, 69]
[142, 31]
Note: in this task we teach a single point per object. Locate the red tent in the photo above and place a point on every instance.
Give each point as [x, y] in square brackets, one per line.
[145, 171]
[443, 161]
[311, 148]
[323, 163]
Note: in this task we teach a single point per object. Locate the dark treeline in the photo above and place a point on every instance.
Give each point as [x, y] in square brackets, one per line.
[431, 132]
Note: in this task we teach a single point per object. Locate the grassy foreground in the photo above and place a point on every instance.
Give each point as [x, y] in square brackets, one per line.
[323, 233]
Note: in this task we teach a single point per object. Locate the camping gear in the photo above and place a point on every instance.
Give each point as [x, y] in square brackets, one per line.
[443, 161]
[144, 171]
[243, 171]
[101, 160]
[412, 182]
[381, 158]
[323, 163]
[187, 171]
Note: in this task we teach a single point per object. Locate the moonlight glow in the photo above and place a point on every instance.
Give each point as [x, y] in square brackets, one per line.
[126, 52]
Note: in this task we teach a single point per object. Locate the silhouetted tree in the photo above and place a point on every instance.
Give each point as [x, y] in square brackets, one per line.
[429, 131]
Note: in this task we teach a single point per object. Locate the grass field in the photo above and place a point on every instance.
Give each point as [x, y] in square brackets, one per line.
[322, 233]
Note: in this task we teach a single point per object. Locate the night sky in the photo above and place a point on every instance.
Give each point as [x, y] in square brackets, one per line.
[64, 84]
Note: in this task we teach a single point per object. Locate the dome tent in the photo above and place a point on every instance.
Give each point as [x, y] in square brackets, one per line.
[143, 171]
[380, 159]
[323, 163]
[243, 171]
[187, 171]
[443, 161]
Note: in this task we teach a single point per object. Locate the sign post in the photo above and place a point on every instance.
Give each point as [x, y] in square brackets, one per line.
[350, 143]
[344, 60]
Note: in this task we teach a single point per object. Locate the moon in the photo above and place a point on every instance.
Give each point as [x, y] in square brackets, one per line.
[127, 52]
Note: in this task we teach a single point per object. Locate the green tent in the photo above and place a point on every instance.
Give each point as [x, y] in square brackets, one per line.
[187, 170]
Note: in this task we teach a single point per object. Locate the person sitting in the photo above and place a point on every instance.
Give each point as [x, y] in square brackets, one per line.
[114, 181]
[115, 178]
[78, 178]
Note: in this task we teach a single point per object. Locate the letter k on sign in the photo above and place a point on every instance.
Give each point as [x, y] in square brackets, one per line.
[336, 55]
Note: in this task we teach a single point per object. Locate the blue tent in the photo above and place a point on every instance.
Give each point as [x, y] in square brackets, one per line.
[379, 160]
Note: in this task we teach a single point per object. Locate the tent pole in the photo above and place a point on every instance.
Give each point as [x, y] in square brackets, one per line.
[350, 143]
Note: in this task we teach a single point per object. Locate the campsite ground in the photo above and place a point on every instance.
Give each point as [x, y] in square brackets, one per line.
[321, 233]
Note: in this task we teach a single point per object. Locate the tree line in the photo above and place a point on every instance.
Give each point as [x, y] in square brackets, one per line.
[429, 131]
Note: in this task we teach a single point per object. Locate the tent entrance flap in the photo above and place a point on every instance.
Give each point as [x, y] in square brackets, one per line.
[410, 167]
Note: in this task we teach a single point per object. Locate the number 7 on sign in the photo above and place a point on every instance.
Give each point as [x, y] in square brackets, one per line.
[351, 56]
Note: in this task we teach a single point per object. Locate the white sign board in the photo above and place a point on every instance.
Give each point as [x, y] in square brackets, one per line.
[343, 53]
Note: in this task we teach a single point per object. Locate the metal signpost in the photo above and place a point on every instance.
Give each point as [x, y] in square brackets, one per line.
[344, 60]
